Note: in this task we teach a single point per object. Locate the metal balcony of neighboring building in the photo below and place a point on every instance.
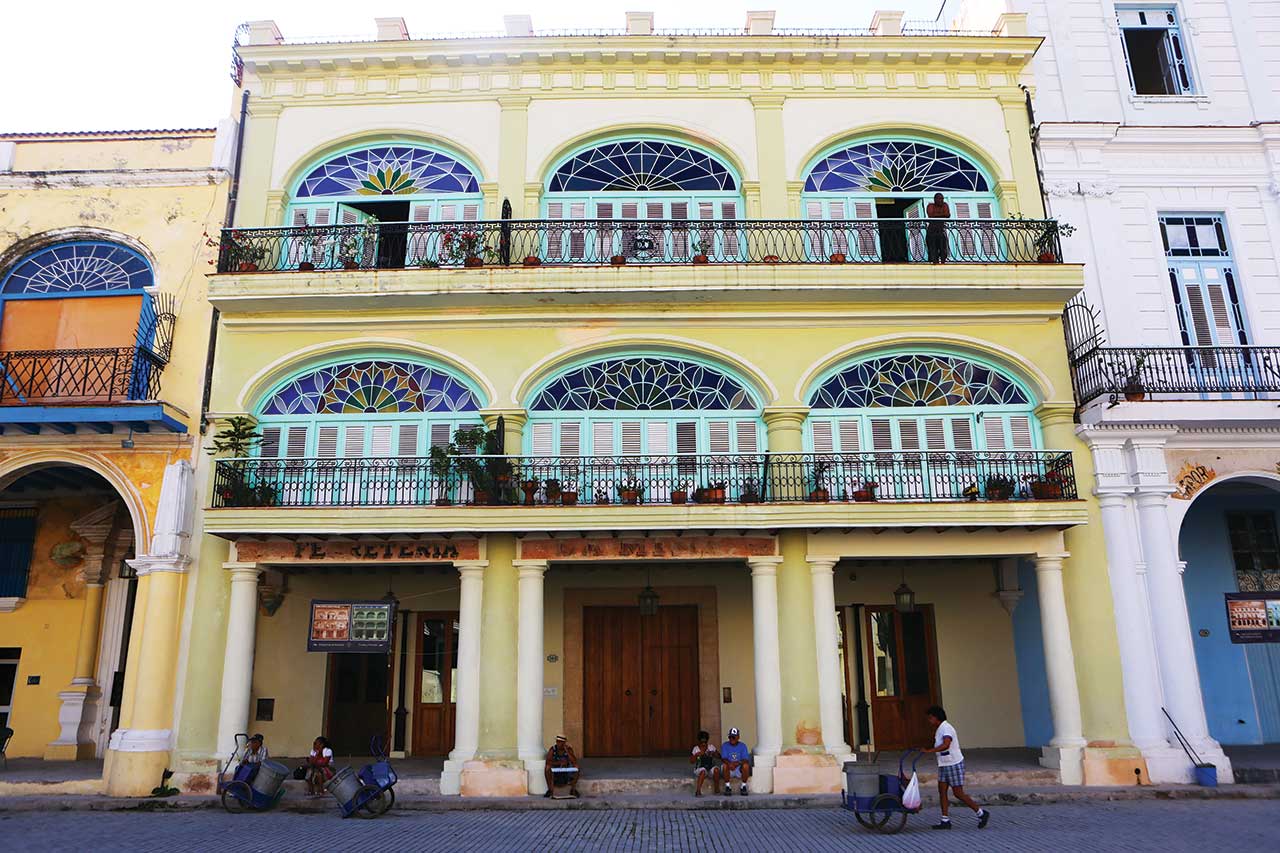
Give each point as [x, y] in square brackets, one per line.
[588, 242]
[98, 390]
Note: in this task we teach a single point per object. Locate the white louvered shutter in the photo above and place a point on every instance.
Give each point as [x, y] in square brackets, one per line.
[936, 463]
[962, 434]
[718, 437]
[408, 440]
[686, 437]
[327, 442]
[602, 439]
[1020, 432]
[300, 217]
[348, 215]
[850, 441]
[604, 231]
[631, 444]
[865, 213]
[578, 236]
[748, 436]
[659, 438]
[679, 233]
[471, 213]
[380, 440]
[379, 474]
[728, 216]
[915, 233]
[448, 213]
[911, 476]
[993, 431]
[295, 448]
[326, 448]
[823, 439]
[627, 245]
[323, 216]
[439, 435]
[420, 212]
[353, 441]
[662, 468]
[839, 233]
[542, 438]
[814, 240]
[555, 236]
[570, 439]
[706, 233]
[269, 447]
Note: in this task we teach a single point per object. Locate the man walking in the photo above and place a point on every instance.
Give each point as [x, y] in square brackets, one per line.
[946, 744]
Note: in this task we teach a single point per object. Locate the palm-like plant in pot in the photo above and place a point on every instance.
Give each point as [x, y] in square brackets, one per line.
[239, 481]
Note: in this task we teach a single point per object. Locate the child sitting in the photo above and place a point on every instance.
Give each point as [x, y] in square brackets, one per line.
[703, 760]
[320, 762]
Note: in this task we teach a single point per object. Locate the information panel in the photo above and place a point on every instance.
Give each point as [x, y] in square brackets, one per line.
[351, 626]
[1254, 617]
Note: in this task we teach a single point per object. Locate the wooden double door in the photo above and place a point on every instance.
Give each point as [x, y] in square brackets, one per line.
[359, 686]
[640, 680]
[902, 654]
[435, 683]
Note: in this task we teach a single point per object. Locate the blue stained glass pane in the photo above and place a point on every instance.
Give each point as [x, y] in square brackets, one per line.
[372, 387]
[895, 167]
[643, 383]
[916, 380]
[388, 170]
[79, 267]
[641, 165]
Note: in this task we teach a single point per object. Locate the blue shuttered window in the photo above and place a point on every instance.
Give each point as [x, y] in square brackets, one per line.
[17, 536]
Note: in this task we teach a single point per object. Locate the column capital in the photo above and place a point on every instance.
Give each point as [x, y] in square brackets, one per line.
[1051, 413]
[768, 102]
[531, 568]
[822, 565]
[147, 565]
[243, 571]
[514, 102]
[784, 416]
[764, 565]
[509, 413]
[470, 567]
[1113, 497]
[1050, 562]
[1153, 494]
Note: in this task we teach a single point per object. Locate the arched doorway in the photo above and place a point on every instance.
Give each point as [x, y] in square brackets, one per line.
[1230, 543]
[68, 591]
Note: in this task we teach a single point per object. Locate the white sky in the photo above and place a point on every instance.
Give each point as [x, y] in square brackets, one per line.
[133, 64]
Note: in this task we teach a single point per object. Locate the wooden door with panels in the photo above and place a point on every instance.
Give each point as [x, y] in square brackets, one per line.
[902, 656]
[435, 683]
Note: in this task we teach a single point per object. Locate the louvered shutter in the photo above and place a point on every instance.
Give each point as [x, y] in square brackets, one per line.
[323, 216]
[407, 487]
[542, 439]
[659, 438]
[602, 439]
[966, 244]
[295, 483]
[908, 434]
[604, 230]
[850, 441]
[988, 234]
[439, 435]
[686, 437]
[327, 442]
[1020, 432]
[269, 447]
[839, 234]
[631, 445]
[993, 431]
[300, 217]
[326, 449]
[408, 443]
[728, 218]
[965, 465]
[570, 439]
[471, 213]
[718, 437]
[823, 439]
[814, 238]
[663, 472]
[679, 232]
[864, 212]
[936, 463]
[578, 236]
[555, 235]
[881, 434]
[378, 474]
[630, 211]
[706, 233]
[380, 440]
[962, 433]
[448, 213]
[353, 442]
[915, 233]
[420, 212]
[747, 435]
[348, 215]
[296, 445]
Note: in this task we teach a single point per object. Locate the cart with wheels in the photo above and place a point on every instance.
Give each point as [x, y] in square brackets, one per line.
[875, 798]
[369, 792]
[380, 775]
[250, 787]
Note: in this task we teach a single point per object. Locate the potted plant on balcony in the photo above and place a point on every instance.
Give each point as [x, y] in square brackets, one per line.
[820, 493]
[1134, 389]
[532, 261]
[441, 464]
[631, 491]
[712, 493]
[699, 253]
[680, 493]
[569, 493]
[771, 259]
[475, 452]
[602, 495]
[551, 488]
[1046, 488]
[1000, 487]
[867, 493]
[530, 488]
[241, 257]
[838, 258]
[750, 492]
[235, 487]
[618, 260]
[352, 243]
[465, 248]
[1046, 247]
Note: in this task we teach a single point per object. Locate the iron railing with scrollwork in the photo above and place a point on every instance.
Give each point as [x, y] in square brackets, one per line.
[1175, 373]
[546, 242]
[103, 375]
[664, 480]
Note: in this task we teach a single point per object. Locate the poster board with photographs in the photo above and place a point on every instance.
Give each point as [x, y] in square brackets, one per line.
[351, 626]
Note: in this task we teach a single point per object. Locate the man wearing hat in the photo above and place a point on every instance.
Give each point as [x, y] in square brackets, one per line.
[735, 761]
[562, 755]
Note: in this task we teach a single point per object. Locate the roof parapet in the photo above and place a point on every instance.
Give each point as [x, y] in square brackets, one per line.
[264, 32]
[887, 23]
[518, 26]
[639, 23]
[760, 23]
[391, 29]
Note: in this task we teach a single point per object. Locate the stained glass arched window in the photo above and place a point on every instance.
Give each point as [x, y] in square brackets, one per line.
[388, 170]
[81, 266]
[895, 166]
[640, 383]
[917, 380]
[642, 165]
[371, 386]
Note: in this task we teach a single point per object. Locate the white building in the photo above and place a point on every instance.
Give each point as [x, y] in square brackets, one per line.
[1158, 138]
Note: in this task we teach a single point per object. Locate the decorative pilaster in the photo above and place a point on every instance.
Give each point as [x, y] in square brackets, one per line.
[513, 144]
[771, 155]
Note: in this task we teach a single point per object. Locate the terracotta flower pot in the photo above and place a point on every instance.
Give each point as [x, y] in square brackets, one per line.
[771, 259]
[443, 502]
[820, 496]
[530, 490]
[350, 265]
[863, 496]
[532, 261]
[630, 496]
[713, 496]
[618, 260]
[701, 259]
[1045, 491]
[679, 497]
[473, 262]
[838, 258]
[569, 498]
[1135, 396]
[481, 497]
[306, 266]
[1047, 258]
[999, 493]
[248, 266]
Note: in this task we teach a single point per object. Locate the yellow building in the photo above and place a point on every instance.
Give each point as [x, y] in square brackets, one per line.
[104, 327]
[767, 441]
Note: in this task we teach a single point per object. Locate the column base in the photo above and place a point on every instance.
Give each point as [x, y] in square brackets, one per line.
[762, 773]
[492, 777]
[536, 770]
[1114, 765]
[798, 772]
[195, 772]
[136, 759]
[1067, 760]
[75, 718]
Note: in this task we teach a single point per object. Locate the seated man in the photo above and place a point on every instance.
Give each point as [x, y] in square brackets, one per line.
[735, 761]
[255, 752]
[703, 760]
[562, 767]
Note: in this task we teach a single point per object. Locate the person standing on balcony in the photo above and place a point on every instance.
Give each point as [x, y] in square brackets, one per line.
[935, 238]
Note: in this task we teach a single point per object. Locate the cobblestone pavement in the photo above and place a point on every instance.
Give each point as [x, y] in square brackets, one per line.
[1095, 827]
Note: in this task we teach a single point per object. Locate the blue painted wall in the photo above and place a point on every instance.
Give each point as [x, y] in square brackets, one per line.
[1028, 646]
[1224, 671]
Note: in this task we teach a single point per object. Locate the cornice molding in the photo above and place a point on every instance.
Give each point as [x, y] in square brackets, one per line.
[112, 178]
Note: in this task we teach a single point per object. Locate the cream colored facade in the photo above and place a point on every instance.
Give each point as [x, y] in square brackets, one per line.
[783, 591]
[103, 467]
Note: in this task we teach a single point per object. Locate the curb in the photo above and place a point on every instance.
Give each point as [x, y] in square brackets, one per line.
[1023, 797]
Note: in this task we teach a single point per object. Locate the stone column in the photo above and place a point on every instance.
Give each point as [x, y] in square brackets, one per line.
[784, 427]
[529, 672]
[768, 670]
[467, 707]
[827, 637]
[1066, 750]
[513, 421]
[237, 663]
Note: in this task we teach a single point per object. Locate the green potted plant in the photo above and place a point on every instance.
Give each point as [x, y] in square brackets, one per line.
[1046, 488]
[441, 464]
[631, 491]
[750, 492]
[999, 487]
[1046, 246]
[699, 254]
[551, 488]
[568, 493]
[236, 440]
[1135, 389]
[475, 452]
[602, 495]
[820, 493]
[680, 493]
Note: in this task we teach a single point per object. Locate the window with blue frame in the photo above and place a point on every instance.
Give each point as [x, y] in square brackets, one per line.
[891, 407]
[645, 179]
[1155, 50]
[888, 182]
[78, 266]
[1202, 275]
[17, 539]
[378, 186]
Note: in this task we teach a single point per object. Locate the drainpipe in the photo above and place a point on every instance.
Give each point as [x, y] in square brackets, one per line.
[227, 220]
[1035, 148]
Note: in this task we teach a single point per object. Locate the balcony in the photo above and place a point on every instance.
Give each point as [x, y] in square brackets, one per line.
[560, 243]
[533, 483]
[98, 389]
[1137, 374]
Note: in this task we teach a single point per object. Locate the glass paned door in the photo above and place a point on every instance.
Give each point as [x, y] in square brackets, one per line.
[437, 693]
[902, 650]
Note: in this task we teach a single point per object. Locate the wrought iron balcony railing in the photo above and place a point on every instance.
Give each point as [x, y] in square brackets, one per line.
[1175, 373]
[60, 377]
[532, 243]
[665, 480]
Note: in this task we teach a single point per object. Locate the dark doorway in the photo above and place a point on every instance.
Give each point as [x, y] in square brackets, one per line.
[903, 656]
[393, 230]
[640, 681]
[895, 248]
[359, 688]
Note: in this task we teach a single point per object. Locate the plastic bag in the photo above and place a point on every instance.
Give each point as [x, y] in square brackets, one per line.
[911, 796]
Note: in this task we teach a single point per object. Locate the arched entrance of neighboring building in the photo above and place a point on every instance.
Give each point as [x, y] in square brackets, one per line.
[65, 538]
[1230, 542]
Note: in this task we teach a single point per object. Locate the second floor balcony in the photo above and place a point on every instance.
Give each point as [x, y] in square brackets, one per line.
[621, 242]
[1139, 374]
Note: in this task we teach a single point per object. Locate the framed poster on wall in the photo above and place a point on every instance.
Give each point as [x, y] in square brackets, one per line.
[1254, 617]
[351, 626]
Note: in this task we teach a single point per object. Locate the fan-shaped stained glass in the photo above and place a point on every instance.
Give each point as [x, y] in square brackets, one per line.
[374, 386]
[916, 380]
[643, 383]
[388, 170]
[641, 165]
[79, 267]
[895, 167]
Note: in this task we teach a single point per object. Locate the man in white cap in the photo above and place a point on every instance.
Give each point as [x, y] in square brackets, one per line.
[562, 756]
[735, 763]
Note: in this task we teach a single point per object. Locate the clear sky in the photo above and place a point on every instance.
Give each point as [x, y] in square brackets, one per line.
[132, 64]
